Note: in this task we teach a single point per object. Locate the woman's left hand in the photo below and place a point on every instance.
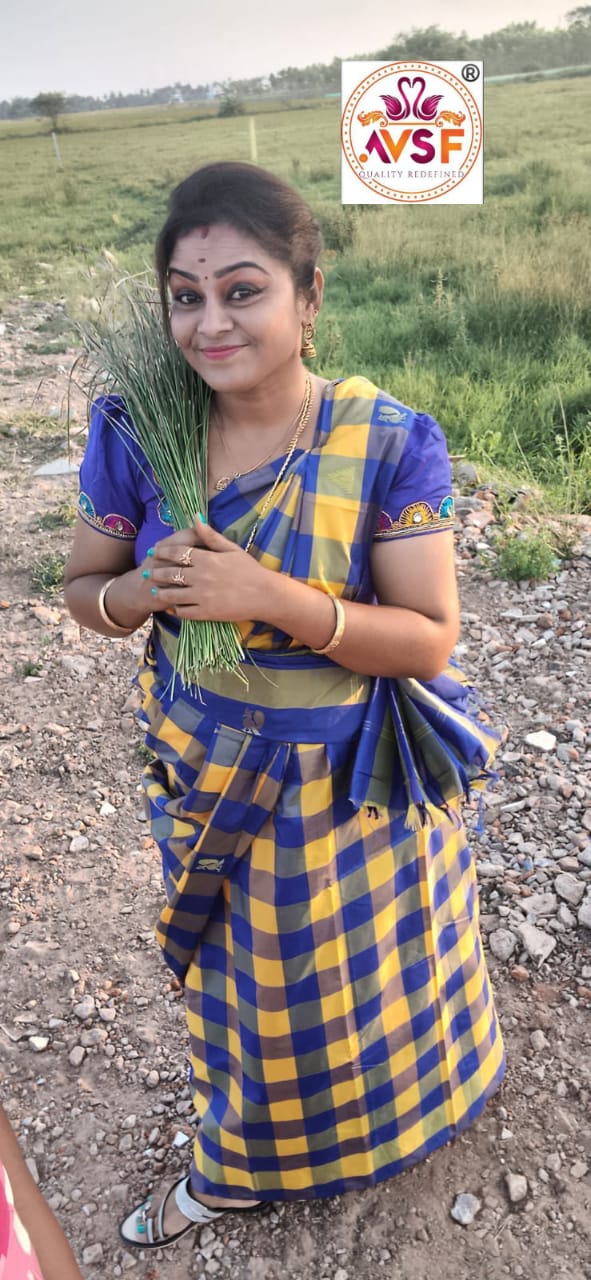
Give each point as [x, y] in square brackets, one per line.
[220, 581]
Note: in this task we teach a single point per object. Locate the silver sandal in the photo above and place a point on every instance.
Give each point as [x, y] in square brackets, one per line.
[141, 1232]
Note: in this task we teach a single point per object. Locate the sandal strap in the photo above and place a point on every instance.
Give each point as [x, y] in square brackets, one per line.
[191, 1208]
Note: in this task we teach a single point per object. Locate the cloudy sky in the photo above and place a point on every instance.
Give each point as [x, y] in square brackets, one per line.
[96, 46]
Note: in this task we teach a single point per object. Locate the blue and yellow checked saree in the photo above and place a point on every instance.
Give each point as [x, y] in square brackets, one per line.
[321, 903]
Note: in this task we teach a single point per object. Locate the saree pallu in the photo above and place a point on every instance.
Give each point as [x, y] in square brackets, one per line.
[321, 903]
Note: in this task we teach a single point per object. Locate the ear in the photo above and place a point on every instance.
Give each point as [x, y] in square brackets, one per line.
[312, 301]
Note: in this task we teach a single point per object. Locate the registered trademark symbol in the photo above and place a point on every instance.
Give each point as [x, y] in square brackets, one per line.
[470, 72]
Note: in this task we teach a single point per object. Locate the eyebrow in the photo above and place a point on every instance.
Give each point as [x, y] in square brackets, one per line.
[224, 271]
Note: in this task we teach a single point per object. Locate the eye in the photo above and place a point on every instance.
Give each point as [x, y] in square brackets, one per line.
[186, 297]
[241, 292]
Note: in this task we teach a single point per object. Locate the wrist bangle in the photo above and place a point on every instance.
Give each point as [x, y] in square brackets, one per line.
[102, 608]
[339, 630]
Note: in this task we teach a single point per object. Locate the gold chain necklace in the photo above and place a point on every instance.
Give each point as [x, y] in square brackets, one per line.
[224, 481]
[304, 416]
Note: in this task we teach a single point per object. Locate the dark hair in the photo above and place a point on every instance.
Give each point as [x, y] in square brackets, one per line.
[251, 200]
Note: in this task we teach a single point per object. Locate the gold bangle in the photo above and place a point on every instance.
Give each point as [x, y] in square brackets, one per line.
[102, 608]
[339, 630]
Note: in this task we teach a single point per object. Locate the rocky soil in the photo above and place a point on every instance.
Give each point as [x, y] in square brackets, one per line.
[93, 1051]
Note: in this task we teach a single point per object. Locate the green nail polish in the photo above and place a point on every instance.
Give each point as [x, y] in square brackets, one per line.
[141, 1228]
[145, 573]
[150, 551]
[202, 518]
[154, 591]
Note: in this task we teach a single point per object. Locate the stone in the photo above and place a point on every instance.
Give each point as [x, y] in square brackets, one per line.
[539, 945]
[542, 904]
[79, 843]
[341, 1274]
[77, 1055]
[517, 1187]
[566, 917]
[480, 519]
[207, 1237]
[465, 473]
[538, 1041]
[78, 665]
[85, 1008]
[31, 1164]
[553, 1162]
[107, 1013]
[579, 1169]
[59, 467]
[152, 1080]
[584, 915]
[46, 615]
[569, 888]
[584, 856]
[502, 943]
[465, 1208]
[180, 1139]
[519, 973]
[95, 1036]
[126, 1142]
[92, 1253]
[130, 1122]
[541, 739]
[38, 1043]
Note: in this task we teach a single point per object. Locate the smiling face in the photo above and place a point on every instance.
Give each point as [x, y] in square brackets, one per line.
[235, 313]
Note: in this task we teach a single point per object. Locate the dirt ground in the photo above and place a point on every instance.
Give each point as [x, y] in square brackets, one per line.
[93, 1050]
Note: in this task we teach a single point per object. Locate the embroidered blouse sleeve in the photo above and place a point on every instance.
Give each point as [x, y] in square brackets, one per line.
[419, 500]
[110, 473]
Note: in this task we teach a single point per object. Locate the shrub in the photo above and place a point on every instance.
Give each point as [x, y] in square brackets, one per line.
[47, 574]
[62, 517]
[230, 105]
[525, 556]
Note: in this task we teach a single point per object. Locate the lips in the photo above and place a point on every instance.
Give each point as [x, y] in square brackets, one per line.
[218, 353]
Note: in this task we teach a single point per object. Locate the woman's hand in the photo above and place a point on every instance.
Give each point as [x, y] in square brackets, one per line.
[197, 573]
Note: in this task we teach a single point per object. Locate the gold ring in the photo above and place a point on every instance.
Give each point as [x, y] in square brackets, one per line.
[187, 556]
[180, 578]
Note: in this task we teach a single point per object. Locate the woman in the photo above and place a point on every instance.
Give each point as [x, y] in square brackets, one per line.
[321, 905]
[32, 1243]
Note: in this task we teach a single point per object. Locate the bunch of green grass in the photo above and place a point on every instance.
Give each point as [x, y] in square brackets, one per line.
[168, 408]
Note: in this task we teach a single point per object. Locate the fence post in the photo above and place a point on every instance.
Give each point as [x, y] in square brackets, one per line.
[252, 133]
[58, 157]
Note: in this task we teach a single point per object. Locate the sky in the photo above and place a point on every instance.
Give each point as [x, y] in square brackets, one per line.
[99, 46]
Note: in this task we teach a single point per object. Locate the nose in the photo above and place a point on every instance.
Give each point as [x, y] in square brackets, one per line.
[213, 318]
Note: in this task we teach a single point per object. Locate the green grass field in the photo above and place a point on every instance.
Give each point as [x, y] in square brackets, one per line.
[480, 315]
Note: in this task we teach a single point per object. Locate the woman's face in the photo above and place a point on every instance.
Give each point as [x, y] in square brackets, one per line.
[235, 314]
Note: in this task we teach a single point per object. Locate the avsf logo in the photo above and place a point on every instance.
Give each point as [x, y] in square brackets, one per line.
[411, 132]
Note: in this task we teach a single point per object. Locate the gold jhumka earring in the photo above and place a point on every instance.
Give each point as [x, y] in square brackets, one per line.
[308, 350]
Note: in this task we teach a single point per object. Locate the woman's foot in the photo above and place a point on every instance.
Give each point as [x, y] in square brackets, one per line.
[165, 1218]
[174, 1220]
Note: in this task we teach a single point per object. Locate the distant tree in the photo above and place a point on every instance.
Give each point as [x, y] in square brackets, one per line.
[49, 105]
[17, 109]
[580, 17]
[230, 104]
[428, 42]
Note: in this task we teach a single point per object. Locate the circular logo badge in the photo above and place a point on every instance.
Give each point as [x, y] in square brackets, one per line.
[411, 131]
